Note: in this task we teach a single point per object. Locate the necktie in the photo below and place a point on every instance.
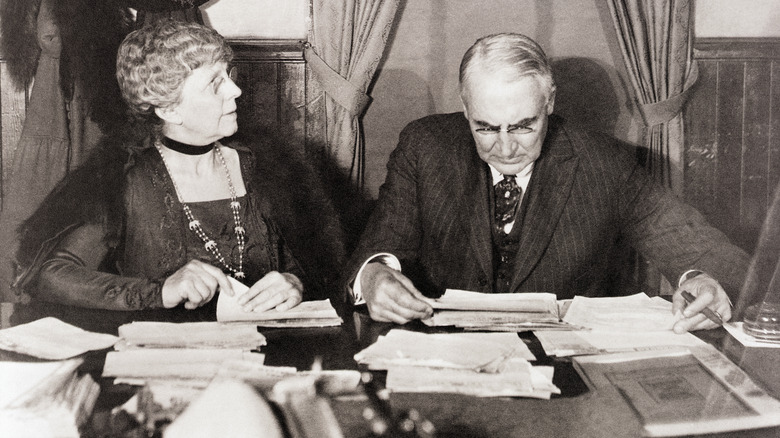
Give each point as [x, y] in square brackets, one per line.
[508, 195]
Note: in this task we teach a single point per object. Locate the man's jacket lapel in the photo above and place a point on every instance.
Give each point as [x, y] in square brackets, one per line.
[547, 195]
[474, 204]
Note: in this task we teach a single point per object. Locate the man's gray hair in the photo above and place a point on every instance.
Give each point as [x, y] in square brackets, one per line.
[511, 54]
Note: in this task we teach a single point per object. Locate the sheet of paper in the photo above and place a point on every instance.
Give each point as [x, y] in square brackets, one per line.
[736, 330]
[536, 302]
[474, 351]
[582, 342]
[152, 334]
[50, 338]
[522, 380]
[302, 315]
[181, 363]
[632, 313]
[684, 391]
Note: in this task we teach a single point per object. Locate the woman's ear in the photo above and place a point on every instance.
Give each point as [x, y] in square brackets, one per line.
[169, 115]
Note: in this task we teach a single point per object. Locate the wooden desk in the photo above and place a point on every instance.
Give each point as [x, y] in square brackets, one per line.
[577, 412]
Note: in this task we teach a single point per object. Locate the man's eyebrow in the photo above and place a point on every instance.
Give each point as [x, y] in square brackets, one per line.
[522, 123]
[525, 122]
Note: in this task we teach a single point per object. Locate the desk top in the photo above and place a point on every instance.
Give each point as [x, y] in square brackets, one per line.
[577, 412]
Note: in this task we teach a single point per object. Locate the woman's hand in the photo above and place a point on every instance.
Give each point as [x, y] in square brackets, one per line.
[282, 291]
[194, 284]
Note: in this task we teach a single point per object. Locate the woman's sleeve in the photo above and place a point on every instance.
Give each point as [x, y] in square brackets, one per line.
[288, 263]
[74, 274]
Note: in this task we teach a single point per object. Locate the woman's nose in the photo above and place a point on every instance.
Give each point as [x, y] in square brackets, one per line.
[234, 92]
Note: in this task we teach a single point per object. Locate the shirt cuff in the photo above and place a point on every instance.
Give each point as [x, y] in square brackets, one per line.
[687, 275]
[384, 258]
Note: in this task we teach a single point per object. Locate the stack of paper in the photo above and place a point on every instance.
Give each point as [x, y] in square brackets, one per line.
[44, 398]
[136, 366]
[176, 351]
[306, 314]
[636, 313]
[632, 323]
[481, 364]
[496, 312]
[147, 334]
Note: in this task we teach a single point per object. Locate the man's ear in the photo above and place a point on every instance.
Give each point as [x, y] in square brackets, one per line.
[551, 102]
[168, 115]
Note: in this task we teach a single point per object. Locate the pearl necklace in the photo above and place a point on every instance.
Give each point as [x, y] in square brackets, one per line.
[194, 224]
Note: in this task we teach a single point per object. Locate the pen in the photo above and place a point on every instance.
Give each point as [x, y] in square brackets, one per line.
[709, 313]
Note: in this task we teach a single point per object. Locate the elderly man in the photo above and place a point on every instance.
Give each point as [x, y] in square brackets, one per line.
[506, 197]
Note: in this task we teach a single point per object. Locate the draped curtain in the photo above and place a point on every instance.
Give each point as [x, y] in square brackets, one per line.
[657, 45]
[346, 43]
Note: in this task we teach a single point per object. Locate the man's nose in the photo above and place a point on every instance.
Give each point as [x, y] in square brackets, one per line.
[505, 143]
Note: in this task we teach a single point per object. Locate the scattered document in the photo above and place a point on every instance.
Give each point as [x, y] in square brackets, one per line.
[306, 314]
[583, 342]
[638, 313]
[683, 391]
[52, 339]
[150, 334]
[495, 312]
[736, 330]
[472, 351]
[172, 363]
[44, 398]
[479, 364]
[520, 379]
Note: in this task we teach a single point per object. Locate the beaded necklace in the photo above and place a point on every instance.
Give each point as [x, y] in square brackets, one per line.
[194, 224]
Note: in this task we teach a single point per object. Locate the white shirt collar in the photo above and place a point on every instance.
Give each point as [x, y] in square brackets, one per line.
[521, 178]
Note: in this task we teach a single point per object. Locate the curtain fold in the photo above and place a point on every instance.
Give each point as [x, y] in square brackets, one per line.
[55, 137]
[346, 44]
[656, 40]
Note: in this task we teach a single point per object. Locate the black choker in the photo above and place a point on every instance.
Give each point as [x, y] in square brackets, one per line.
[185, 148]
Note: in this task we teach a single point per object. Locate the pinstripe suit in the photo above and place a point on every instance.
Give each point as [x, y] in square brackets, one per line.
[586, 192]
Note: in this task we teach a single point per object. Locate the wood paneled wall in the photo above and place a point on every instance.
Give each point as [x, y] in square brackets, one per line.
[276, 84]
[732, 123]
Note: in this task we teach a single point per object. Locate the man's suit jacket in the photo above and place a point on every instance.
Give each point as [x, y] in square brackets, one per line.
[587, 193]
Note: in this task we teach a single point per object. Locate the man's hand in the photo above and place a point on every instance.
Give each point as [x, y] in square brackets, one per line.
[708, 293]
[194, 284]
[282, 291]
[390, 296]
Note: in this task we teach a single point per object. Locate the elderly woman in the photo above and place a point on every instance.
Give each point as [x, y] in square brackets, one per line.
[168, 209]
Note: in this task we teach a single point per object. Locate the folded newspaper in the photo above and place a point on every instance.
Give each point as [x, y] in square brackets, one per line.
[496, 312]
